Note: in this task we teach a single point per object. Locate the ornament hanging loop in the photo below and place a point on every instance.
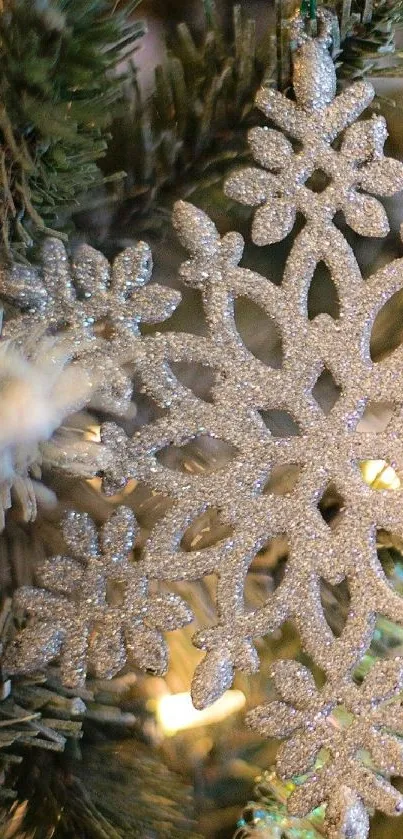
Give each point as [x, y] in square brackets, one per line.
[314, 76]
[300, 27]
[309, 10]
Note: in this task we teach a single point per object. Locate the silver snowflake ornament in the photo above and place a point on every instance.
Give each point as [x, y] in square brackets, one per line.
[94, 611]
[279, 189]
[353, 723]
[73, 327]
[97, 306]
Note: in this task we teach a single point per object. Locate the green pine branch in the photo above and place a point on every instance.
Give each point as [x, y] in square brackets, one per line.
[368, 37]
[194, 125]
[59, 91]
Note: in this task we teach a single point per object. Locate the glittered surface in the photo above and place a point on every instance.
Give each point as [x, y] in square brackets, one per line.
[97, 306]
[355, 725]
[74, 325]
[94, 611]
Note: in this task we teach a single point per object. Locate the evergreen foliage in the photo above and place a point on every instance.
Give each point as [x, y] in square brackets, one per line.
[59, 91]
[194, 124]
[368, 37]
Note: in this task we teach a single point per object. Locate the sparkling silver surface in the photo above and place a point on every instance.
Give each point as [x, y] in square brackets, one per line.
[74, 326]
[356, 725]
[94, 611]
[97, 306]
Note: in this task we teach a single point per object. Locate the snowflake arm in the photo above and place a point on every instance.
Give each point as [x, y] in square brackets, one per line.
[98, 307]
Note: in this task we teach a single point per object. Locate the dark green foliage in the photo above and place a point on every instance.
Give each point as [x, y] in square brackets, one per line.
[113, 789]
[195, 123]
[58, 94]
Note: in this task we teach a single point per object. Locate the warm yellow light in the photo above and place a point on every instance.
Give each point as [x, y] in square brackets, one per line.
[379, 475]
[95, 483]
[93, 433]
[130, 486]
[175, 712]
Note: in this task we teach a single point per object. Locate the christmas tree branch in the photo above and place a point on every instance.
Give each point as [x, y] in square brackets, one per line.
[60, 89]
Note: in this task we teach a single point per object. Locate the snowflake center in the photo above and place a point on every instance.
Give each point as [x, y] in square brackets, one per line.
[318, 181]
[340, 718]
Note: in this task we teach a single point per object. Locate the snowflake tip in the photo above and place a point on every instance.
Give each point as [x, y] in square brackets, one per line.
[80, 534]
[213, 676]
[196, 232]
[132, 269]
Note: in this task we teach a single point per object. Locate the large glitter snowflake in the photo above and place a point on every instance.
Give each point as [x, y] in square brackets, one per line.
[342, 736]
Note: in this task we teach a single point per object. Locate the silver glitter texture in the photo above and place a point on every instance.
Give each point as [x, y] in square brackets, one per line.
[79, 320]
[94, 611]
[354, 724]
[98, 307]
[352, 773]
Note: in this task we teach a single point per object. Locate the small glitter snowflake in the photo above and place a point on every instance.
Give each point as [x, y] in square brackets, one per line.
[98, 307]
[358, 165]
[94, 611]
[351, 723]
[73, 328]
